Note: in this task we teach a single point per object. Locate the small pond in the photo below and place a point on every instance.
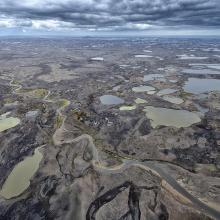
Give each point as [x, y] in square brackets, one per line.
[170, 117]
[111, 100]
[19, 178]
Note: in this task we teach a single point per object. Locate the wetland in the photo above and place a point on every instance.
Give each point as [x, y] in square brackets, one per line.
[109, 128]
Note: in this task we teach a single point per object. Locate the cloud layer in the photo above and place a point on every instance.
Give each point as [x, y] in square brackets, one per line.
[109, 15]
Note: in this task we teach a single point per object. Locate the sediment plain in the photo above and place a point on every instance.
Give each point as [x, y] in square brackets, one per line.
[109, 128]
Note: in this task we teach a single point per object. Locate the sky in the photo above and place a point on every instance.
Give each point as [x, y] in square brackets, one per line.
[110, 17]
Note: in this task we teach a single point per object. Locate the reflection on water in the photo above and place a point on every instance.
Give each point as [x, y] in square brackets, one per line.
[19, 178]
[170, 117]
[172, 99]
[6, 123]
[111, 100]
[151, 92]
[201, 71]
[143, 56]
[190, 57]
[196, 86]
[127, 107]
[143, 89]
[166, 92]
[147, 51]
[173, 80]
[97, 59]
[211, 66]
[152, 77]
[140, 101]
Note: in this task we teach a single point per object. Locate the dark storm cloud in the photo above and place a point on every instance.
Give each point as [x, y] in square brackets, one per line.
[111, 14]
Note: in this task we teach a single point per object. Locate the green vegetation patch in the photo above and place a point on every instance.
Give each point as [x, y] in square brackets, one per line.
[40, 93]
[184, 94]
[36, 93]
[63, 103]
[58, 121]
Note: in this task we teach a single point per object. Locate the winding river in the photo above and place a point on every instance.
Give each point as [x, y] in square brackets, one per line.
[147, 165]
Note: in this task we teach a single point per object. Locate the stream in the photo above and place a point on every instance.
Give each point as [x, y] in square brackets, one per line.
[146, 165]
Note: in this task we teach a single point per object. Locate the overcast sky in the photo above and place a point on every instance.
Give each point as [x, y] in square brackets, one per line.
[110, 16]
